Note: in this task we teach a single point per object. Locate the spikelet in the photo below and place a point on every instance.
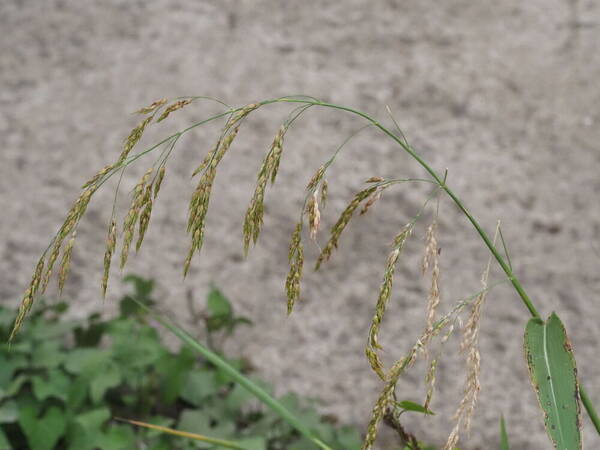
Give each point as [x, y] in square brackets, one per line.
[134, 136]
[152, 107]
[372, 199]
[296, 259]
[316, 179]
[383, 402]
[145, 214]
[275, 153]
[324, 189]
[253, 219]
[431, 258]
[73, 217]
[237, 117]
[159, 180]
[65, 263]
[111, 243]
[374, 180]
[98, 176]
[200, 198]
[470, 346]
[393, 375]
[173, 107]
[339, 226]
[384, 296]
[132, 215]
[314, 215]
[28, 297]
[207, 159]
[430, 382]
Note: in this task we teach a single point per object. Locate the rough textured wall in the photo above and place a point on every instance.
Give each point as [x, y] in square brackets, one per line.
[503, 94]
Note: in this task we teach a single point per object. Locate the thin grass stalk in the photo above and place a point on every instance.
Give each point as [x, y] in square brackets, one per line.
[241, 379]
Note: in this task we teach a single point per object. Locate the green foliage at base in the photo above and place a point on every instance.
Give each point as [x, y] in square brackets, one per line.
[63, 381]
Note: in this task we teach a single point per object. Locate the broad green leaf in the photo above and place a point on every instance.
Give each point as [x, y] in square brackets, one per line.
[47, 354]
[174, 372]
[86, 360]
[199, 385]
[407, 405]
[9, 412]
[218, 304]
[3, 440]
[503, 435]
[43, 432]
[55, 384]
[117, 438]
[554, 377]
[108, 377]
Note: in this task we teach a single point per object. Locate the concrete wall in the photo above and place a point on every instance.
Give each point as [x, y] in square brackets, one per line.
[503, 94]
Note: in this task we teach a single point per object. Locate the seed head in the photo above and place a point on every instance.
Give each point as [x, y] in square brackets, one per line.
[173, 107]
[314, 215]
[340, 225]
[296, 258]
[134, 136]
[140, 195]
[152, 107]
[384, 295]
[111, 243]
[159, 180]
[65, 264]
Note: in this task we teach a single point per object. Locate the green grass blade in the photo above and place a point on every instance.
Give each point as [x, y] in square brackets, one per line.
[553, 375]
[185, 434]
[503, 435]
[240, 378]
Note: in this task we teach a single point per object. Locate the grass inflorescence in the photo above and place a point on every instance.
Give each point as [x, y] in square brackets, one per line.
[146, 191]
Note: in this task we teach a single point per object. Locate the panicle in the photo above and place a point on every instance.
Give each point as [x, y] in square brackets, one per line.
[296, 258]
[340, 225]
[173, 107]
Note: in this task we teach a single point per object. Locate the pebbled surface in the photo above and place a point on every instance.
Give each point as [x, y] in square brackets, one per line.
[503, 94]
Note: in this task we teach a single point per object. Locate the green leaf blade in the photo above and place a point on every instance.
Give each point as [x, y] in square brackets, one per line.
[553, 374]
[504, 445]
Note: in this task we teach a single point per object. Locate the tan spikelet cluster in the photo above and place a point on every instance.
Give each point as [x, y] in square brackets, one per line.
[43, 270]
[324, 192]
[152, 107]
[28, 297]
[111, 243]
[340, 225]
[253, 219]
[65, 263]
[98, 176]
[314, 215]
[372, 199]
[133, 138]
[393, 375]
[383, 403]
[146, 212]
[430, 382]
[296, 259]
[241, 115]
[316, 179]
[73, 217]
[374, 180]
[384, 295]
[431, 259]
[173, 107]
[200, 198]
[470, 346]
[140, 195]
[159, 180]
